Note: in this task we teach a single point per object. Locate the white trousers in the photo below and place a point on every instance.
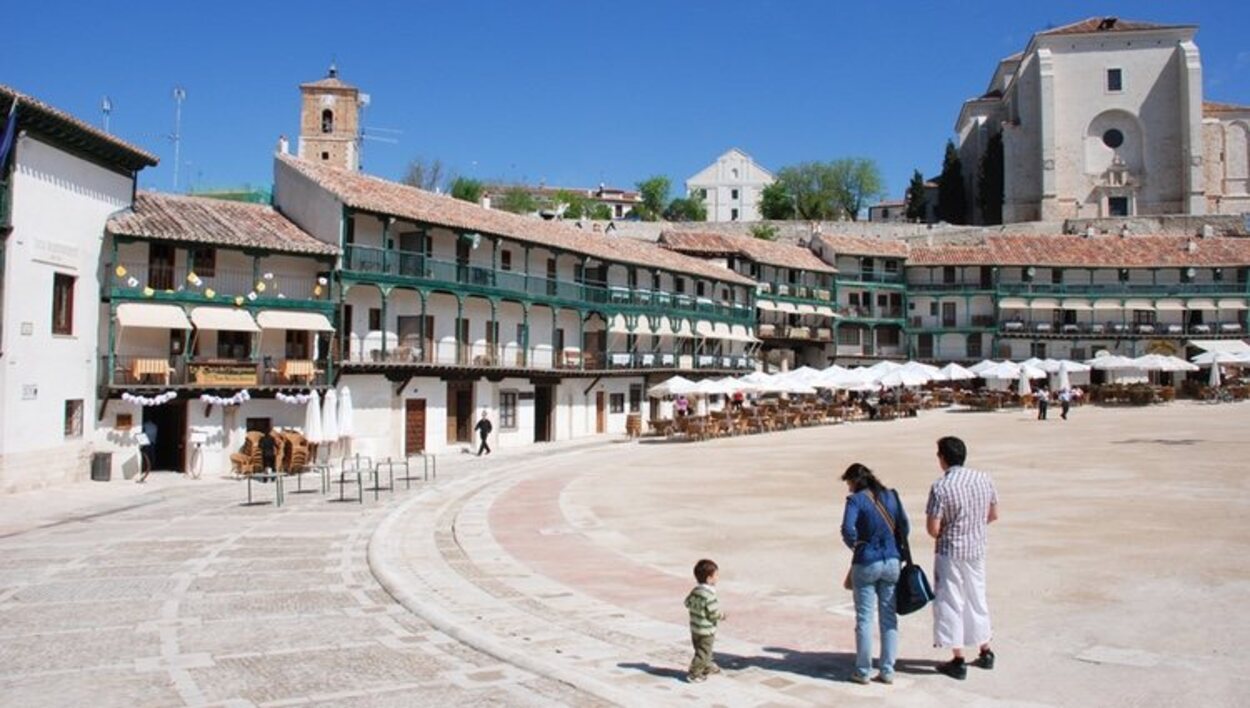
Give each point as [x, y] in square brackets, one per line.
[961, 617]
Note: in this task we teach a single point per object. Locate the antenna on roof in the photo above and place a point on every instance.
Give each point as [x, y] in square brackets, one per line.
[367, 133]
[180, 95]
[106, 107]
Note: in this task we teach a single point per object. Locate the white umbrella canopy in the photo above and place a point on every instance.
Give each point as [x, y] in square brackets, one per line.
[312, 420]
[1160, 362]
[1036, 363]
[1207, 358]
[1111, 362]
[1023, 387]
[884, 367]
[1074, 367]
[954, 372]
[676, 386]
[756, 377]
[330, 417]
[982, 365]
[1000, 370]
[806, 374]
[921, 367]
[347, 423]
[903, 377]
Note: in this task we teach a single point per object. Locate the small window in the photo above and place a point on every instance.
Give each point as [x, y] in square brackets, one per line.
[1117, 206]
[733, 214]
[699, 288]
[375, 319]
[505, 260]
[204, 262]
[1056, 276]
[1115, 80]
[616, 403]
[933, 309]
[297, 344]
[234, 345]
[733, 194]
[325, 156]
[260, 425]
[948, 274]
[327, 122]
[124, 421]
[1037, 350]
[73, 418]
[1113, 138]
[974, 346]
[507, 410]
[63, 303]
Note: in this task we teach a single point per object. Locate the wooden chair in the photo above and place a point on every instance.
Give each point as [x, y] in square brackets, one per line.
[248, 460]
[297, 452]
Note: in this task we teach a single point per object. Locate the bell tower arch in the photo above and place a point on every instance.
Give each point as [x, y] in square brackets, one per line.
[329, 126]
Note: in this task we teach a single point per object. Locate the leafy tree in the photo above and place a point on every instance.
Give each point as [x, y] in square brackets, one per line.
[430, 175]
[466, 189]
[654, 192]
[952, 201]
[915, 197]
[518, 201]
[776, 204]
[600, 212]
[575, 205]
[990, 182]
[811, 184]
[690, 208]
[855, 180]
[764, 232]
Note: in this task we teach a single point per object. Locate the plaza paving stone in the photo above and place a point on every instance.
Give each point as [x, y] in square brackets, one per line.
[554, 575]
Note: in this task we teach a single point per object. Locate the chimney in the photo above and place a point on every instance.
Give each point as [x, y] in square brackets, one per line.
[485, 201]
[1207, 231]
[1090, 232]
[1191, 247]
[1125, 230]
[284, 146]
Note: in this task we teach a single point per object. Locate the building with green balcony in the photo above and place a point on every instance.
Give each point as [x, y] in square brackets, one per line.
[871, 296]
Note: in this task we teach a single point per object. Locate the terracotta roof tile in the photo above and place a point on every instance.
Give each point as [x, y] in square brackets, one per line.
[758, 250]
[381, 196]
[1213, 108]
[219, 222]
[1096, 252]
[860, 246]
[137, 157]
[1112, 24]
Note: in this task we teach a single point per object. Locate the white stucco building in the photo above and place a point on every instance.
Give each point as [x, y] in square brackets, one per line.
[1105, 117]
[731, 187]
[61, 181]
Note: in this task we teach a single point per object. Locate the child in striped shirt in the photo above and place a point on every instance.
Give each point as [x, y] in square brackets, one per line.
[705, 614]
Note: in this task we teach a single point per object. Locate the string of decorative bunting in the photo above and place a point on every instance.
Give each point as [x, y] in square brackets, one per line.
[146, 401]
[195, 281]
[234, 400]
[297, 399]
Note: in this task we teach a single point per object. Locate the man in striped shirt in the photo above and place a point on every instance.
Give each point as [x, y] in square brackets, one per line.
[705, 615]
[961, 506]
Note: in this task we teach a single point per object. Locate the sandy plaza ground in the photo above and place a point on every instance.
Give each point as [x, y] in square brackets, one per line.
[556, 577]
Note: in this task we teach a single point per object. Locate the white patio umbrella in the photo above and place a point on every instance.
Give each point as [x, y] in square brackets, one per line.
[1214, 380]
[1023, 387]
[982, 365]
[1074, 367]
[806, 374]
[884, 367]
[1063, 383]
[1111, 362]
[1206, 358]
[1160, 362]
[903, 377]
[756, 377]
[676, 386]
[312, 420]
[347, 423]
[1000, 370]
[928, 370]
[954, 372]
[330, 417]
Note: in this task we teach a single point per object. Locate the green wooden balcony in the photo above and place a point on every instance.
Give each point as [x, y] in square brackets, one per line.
[1114, 289]
[140, 281]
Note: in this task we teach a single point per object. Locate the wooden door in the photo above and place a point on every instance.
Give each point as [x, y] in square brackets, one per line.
[601, 412]
[459, 411]
[160, 266]
[414, 426]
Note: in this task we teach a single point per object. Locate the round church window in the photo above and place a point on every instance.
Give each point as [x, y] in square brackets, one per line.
[1113, 138]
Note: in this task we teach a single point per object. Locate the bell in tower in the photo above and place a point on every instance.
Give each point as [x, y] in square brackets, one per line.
[330, 122]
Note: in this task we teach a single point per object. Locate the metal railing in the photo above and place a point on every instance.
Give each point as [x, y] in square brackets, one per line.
[140, 371]
[1119, 329]
[1113, 289]
[224, 284]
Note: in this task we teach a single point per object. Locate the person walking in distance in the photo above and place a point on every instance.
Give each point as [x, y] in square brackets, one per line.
[483, 429]
[962, 504]
[147, 451]
[1043, 403]
[1065, 402]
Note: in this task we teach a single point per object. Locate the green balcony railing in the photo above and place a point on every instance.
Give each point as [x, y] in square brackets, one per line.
[363, 261]
[1113, 289]
[141, 280]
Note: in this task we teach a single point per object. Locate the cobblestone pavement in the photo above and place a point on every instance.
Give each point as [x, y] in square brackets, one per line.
[176, 594]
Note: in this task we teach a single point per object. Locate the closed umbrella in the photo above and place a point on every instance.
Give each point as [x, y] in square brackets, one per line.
[347, 424]
[1024, 388]
[330, 417]
[312, 420]
[1064, 384]
[1214, 380]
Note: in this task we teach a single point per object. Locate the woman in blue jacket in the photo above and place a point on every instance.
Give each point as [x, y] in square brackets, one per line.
[872, 513]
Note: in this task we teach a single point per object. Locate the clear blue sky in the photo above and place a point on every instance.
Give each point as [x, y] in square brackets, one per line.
[572, 93]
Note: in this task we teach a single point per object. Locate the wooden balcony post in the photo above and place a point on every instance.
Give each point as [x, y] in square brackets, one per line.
[525, 325]
[459, 317]
[386, 293]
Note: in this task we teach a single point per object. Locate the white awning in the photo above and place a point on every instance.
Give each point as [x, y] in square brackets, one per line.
[643, 325]
[1169, 305]
[1012, 303]
[1223, 346]
[1108, 305]
[1200, 304]
[665, 328]
[807, 309]
[294, 319]
[826, 311]
[704, 329]
[617, 325]
[223, 318]
[142, 314]
[788, 307]
[1044, 303]
[768, 305]
[742, 334]
[683, 330]
[1232, 304]
[1077, 304]
[1138, 305]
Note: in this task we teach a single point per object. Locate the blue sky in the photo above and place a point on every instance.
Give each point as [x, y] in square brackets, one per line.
[571, 93]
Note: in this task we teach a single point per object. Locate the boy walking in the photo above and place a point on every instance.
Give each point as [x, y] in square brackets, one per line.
[705, 615]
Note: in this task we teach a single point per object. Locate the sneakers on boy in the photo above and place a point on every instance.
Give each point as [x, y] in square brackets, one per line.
[713, 669]
[955, 668]
[696, 679]
[985, 660]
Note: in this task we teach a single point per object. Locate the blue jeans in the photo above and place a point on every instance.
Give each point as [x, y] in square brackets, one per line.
[874, 585]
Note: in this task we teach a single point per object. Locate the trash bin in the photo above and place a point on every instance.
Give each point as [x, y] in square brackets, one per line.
[101, 466]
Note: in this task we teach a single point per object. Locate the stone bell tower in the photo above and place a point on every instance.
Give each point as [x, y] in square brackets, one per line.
[329, 122]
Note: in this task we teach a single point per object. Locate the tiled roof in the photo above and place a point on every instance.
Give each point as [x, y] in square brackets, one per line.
[171, 217]
[1096, 252]
[859, 246]
[1105, 24]
[41, 117]
[1213, 108]
[381, 196]
[758, 250]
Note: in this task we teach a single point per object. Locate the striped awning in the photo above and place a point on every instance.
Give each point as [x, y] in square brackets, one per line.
[144, 314]
[1013, 303]
[294, 320]
[1077, 304]
[1169, 305]
[1232, 304]
[1108, 305]
[1138, 305]
[223, 318]
[1044, 303]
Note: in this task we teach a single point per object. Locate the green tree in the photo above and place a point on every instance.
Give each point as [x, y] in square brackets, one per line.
[855, 180]
[575, 205]
[764, 232]
[654, 192]
[600, 212]
[690, 208]
[990, 182]
[915, 198]
[466, 189]
[952, 200]
[518, 201]
[776, 204]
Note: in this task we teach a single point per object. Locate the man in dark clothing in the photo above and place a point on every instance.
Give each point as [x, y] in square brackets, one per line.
[268, 452]
[483, 429]
[146, 451]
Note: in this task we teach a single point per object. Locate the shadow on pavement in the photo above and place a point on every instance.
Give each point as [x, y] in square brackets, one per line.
[831, 666]
[657, 671]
